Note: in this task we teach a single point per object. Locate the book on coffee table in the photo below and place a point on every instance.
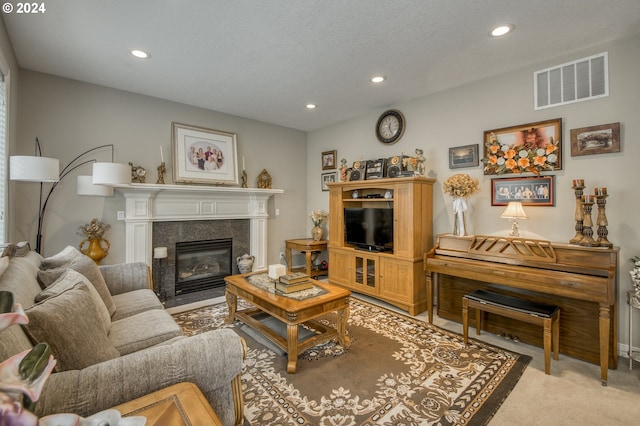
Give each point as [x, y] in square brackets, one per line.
[294, 277]
[290, 288]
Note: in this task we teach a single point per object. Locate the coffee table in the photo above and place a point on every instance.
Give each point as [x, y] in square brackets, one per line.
[290, 311]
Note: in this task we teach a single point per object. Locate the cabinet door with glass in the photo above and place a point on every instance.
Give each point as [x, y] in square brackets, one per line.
[366, 273]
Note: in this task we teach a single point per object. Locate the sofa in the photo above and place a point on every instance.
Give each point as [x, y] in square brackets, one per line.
[112, 338]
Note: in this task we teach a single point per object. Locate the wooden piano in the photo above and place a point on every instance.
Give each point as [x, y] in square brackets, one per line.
[582, 281]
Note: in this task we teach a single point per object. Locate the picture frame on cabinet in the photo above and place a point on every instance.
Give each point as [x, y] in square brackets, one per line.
[326, 178]
[202, 155]
[526, 148]
[601, 139]
[329, 160]
[463, 156]
[530, 191]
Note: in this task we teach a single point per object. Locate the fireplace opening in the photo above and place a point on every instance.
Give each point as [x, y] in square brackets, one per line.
[202, 265]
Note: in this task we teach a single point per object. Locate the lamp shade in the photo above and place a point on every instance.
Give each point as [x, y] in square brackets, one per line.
[514, 210]
[34, 169]
[160, 253]
[85, 186]
[111, 174]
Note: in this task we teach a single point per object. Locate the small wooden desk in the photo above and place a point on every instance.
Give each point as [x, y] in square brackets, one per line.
[292, 312]
[307, 246]
[179, 405]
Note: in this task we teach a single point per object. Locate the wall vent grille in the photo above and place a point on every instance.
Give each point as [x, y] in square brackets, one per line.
[576, 81]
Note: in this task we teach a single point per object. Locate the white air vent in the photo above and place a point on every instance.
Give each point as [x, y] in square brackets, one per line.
[581, 80]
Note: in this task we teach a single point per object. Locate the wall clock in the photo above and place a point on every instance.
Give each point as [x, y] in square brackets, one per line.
[390, 126]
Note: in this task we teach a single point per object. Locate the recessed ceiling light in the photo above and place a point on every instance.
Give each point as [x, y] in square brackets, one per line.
[378, 79]
[311, 106]
[501, 30]
[140, 54]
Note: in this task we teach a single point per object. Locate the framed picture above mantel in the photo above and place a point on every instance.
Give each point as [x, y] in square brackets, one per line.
[203, 155]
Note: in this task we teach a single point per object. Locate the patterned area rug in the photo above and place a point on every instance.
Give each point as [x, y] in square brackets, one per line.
[398, 371]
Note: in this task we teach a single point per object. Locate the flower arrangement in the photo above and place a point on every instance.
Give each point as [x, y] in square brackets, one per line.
[318, 216]
[461, 186]
[95, 229]
[521, 158]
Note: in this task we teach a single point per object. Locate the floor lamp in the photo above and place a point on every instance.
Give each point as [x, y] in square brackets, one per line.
[44, 169]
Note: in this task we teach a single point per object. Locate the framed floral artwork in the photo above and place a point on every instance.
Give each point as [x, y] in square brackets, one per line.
[203, 155]
[530, 191]
[527, 148]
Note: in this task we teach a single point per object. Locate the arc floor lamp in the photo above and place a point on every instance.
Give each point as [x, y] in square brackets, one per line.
[41, 169]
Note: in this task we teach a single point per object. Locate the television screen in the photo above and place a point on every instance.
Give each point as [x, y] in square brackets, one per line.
[369, 228]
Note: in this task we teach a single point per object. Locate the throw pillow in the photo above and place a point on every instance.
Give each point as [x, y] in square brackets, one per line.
[72, 258]
[69, 323]
[64, 279]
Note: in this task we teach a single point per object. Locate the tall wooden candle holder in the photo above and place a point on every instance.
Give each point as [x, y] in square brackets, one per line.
[578, 186]
[587, 230]
[601, 200]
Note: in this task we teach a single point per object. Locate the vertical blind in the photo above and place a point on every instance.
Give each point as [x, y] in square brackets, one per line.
[3, 160]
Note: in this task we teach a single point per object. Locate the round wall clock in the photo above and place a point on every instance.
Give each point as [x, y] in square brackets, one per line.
[390, 126]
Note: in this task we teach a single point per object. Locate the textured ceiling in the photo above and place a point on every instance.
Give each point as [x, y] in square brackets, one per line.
[266, 59]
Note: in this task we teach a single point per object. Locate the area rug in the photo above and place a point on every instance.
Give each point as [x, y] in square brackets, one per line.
[397, 371]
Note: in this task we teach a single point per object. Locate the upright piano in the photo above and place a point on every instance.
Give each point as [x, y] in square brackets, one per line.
[582, 281]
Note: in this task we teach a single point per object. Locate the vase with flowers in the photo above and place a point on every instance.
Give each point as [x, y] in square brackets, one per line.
[98, 247]
[460, 187]
[318, 217]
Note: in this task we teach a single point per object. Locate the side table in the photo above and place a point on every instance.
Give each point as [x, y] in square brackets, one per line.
[633, 304]
[307, 246]
[182, 404]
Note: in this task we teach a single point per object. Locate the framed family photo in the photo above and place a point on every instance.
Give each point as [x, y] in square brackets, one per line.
[330, 177]
[329, 160]
[463, 156]
[203, 155]
[530, 191]
[595, 139]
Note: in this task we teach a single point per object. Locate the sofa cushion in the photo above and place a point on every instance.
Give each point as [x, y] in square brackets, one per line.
[72, 258]
[63, 279]
[134, 302]
[143, 330]
[69, 322]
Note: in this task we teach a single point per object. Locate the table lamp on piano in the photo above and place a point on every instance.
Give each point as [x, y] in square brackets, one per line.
[514, 211]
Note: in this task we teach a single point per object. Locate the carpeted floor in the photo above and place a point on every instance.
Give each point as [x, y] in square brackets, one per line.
[398, 370]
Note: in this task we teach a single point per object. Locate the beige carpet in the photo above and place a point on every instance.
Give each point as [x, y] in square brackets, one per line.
[398, 370]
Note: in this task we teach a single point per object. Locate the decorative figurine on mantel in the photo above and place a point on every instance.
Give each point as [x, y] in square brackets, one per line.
[244, 179]
[264, 180]
[138, 174]
[343, 170]
[161, 171]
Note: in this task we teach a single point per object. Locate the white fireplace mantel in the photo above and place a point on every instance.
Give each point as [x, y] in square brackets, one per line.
[148, 203]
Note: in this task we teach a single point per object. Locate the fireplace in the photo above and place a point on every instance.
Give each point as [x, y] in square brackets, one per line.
[202, 265]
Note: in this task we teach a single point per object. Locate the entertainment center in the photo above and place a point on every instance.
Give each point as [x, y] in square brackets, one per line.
[386, 263]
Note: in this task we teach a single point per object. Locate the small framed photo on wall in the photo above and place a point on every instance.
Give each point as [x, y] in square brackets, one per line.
[329, 160]
[463, 156]
[330, 177]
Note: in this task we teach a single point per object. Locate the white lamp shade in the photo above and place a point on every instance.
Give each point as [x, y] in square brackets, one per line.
[514, 210]
[160, 253]
[34, 169]
[111, 174]
[86, 187]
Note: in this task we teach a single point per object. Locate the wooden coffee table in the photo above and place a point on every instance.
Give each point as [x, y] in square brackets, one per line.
[179, 405]
[292, 312]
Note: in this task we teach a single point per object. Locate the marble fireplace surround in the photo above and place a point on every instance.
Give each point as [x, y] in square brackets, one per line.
[148, 203]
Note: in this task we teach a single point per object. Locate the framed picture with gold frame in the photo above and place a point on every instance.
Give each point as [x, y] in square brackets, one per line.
[329, 160]
[203, 155]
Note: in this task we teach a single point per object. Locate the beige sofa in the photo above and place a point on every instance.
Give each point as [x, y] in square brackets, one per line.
[112, 339]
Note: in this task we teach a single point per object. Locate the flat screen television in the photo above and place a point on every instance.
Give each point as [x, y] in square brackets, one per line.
[369, 228]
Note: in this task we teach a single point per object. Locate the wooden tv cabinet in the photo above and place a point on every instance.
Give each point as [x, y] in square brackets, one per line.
[396, 276]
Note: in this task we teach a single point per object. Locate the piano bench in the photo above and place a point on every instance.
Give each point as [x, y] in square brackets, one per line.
[547, 316]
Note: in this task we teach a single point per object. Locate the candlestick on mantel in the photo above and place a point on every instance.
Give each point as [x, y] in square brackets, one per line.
[161, 155]
[243, 167]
